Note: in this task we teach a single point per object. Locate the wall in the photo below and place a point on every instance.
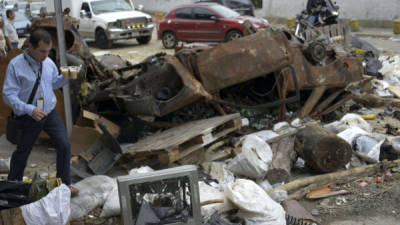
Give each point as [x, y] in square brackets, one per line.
[364, 10]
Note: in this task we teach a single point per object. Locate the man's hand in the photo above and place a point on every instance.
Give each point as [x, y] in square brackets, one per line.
[38, 114]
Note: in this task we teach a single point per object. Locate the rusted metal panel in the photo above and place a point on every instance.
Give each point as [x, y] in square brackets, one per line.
[191, 90]
[243, 59]
[336, 74]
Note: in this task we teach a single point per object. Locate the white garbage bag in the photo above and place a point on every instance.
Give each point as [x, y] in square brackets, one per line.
[367, 144]
[254, 160]
[112, 205]
[93, 192]
[53, 209]
[256, 207]
[349, 120]
[208, 193]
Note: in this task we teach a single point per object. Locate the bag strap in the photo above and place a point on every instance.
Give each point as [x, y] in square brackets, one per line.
[38, 76]
[34, 90]
[37, 82]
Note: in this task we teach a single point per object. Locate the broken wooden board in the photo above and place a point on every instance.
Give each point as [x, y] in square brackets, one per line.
[183, 140]
[395, 90]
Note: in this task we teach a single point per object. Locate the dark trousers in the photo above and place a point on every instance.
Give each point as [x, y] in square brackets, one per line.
[54, 127]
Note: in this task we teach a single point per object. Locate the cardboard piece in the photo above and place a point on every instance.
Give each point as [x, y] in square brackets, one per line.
[86, 132]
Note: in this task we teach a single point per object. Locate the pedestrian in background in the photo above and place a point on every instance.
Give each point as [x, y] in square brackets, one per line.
[10, 31]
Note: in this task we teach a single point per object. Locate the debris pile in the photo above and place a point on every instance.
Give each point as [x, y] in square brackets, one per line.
[219, 108]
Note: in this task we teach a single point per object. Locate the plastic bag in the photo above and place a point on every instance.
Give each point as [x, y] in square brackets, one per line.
[207, 193]
[53, 209]
[93, 192]
[265, 134]
[254, 160]
[14, 194]
[112, 205]
[349, 120]
[256, 207]
[4, 165]
[369, 145]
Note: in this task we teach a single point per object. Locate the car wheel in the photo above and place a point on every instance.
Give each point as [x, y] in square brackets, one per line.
[102, 40]
[144, 40]
[233, 35]
[169, 40]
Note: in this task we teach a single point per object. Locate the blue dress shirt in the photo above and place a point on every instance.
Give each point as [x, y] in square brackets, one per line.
[20, 79]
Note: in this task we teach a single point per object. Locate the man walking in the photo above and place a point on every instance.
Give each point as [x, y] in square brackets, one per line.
[10, 31]
[22, 73]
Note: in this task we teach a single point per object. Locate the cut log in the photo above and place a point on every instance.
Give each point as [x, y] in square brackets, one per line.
[283, 158]
[322, 150]
[347, 175]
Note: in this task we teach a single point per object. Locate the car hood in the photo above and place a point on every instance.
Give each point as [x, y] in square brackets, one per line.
[253, 20]
[114, 16]
[21, 24]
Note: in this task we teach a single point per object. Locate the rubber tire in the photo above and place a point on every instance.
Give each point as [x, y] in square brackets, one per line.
[102, 40]
[143, 40]
[231, 35]
[172, 37]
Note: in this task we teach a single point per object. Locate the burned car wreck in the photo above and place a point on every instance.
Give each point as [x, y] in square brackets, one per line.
[267, 59]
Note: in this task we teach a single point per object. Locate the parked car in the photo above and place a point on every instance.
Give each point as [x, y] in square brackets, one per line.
[244, 7]
[203, 23]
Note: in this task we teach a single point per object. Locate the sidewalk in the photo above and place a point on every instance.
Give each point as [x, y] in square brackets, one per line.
[377, 32]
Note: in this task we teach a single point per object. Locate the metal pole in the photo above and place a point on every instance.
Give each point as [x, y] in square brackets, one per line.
[63, 62]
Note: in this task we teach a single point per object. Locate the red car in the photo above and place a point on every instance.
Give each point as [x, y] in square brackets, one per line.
[203, 23]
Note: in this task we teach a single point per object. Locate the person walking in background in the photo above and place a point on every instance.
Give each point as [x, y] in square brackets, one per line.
[10, 31]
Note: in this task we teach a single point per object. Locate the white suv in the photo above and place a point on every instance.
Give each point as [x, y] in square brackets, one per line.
[107, 21]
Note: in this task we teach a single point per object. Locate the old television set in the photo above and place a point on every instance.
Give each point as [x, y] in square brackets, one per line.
[169, 196]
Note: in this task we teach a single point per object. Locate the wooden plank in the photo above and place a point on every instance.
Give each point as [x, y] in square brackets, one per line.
[177, 136]
[395, 90]
[312, 100]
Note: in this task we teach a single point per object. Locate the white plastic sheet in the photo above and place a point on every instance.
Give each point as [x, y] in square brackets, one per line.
[254, 160]
[93, 192]
[256, 207]
[349, 120]
[53, 209]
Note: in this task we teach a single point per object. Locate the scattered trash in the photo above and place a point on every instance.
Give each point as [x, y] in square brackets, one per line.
[4, 165]
[254, 159]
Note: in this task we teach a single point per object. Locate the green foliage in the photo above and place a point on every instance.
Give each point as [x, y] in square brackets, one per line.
[257, 3]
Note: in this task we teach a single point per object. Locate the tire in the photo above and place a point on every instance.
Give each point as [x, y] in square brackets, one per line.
[233, 35]
[143, 40]
[169, 40]
[102, 40]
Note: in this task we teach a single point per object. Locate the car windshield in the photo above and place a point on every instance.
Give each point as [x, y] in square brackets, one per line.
[106, 6]
[224, 11]
[19, 16]
[37, 7]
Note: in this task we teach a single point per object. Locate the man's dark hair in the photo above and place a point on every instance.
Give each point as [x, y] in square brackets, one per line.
[8, 12]
[39, 35]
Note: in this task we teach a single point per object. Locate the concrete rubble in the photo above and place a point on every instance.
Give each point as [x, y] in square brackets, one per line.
[221, 108]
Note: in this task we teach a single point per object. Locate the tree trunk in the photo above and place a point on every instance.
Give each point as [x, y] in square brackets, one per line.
[322, 150]
[282, 162]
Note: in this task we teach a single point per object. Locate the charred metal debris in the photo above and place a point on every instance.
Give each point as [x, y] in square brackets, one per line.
[254, 75]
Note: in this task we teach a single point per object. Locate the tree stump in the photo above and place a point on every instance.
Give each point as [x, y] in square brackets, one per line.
[322, 150]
